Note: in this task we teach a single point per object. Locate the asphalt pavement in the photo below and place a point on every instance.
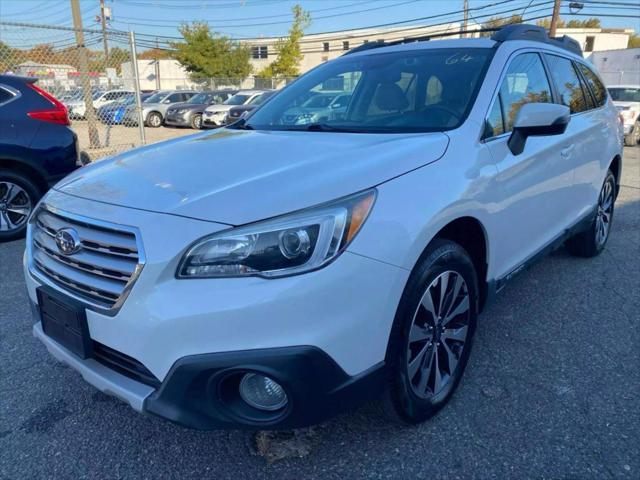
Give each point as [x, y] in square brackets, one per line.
[551, 391]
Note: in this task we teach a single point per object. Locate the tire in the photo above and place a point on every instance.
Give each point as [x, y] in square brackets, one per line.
[633, 138]
[154, 120]
[413, 395]
[18, 197]
[592, 241]
[196, 121]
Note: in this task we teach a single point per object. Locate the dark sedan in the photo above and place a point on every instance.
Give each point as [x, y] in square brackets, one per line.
[37, 148]
[236, 113]
[189, 114]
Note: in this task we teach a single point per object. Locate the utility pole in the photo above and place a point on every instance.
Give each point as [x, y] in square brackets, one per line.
[554, 18]
[90, 114]
[103, 22]
[136, 86]
[465, 25]
[157, 66]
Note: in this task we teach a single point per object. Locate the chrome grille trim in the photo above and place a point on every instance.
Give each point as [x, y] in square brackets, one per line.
[101, 274]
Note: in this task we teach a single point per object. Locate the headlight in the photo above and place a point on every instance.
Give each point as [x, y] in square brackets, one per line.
[287, 245]
[181, 110]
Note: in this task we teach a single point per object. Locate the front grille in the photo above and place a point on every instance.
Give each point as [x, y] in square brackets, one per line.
[104, 268]
[124, 364]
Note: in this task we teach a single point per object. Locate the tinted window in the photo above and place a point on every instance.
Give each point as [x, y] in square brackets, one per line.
[597, 88]
[494, 124]
[406, 91]
[174, 97]
[567, 83]
[4, 95]
[524, 82]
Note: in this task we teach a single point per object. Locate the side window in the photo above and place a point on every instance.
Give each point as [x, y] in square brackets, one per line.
[567, 83]
[5, 96]
[597, 88]
[494, 125]
[525, 82]
[175, 97]
[110, 96]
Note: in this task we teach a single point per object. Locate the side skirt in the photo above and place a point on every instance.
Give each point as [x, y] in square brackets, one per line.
[497, 285]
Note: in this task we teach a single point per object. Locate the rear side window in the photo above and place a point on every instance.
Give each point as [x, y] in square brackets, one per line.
[597, 88]
[567, 83]
[525, 82]
[5, 96]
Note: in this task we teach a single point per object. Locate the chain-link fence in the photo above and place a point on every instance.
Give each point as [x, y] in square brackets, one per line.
[117, 97]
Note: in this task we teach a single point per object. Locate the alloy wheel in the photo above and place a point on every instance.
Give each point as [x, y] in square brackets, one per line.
[15, 206]
[438, 334]
[605, 212]
[155, 120]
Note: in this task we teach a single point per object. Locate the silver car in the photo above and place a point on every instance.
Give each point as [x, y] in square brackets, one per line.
[155, 107]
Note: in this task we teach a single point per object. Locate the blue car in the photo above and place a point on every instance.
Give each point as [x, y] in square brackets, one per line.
[113, 113]
[37, 148]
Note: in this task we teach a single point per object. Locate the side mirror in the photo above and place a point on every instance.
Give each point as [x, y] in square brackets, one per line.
[166, 100]
[537, 119]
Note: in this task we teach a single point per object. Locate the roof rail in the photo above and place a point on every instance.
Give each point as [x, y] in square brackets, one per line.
[535, 33]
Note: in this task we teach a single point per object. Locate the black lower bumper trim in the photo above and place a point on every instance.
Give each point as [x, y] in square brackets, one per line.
[199, 390]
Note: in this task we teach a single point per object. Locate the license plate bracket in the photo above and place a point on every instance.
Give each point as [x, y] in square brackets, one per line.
[65, 321]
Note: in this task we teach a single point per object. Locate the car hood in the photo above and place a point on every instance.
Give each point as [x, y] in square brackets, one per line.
[188, 106]
[220, 108]
[239, 176]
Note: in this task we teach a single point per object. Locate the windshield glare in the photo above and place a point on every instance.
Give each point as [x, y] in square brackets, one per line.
[407, 91]
[199, 98]
[236, 100]
[625, 94]
[156, 97]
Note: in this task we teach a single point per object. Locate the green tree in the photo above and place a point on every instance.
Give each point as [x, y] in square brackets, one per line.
[207, 55]
[155, 54]
[634, 41]
[289, 56]
[497, 22]
[588, 23]
[9, 57]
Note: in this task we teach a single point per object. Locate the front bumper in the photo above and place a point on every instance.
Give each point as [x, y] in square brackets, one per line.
[200, 391]
[213, 120]
[343, 311]
[177, 120]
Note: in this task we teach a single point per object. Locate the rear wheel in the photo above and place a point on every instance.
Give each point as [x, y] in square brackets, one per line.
[18, 197]
[634, 137]
[196, 121]
[432, 333]
[154, 120]
[592, 241]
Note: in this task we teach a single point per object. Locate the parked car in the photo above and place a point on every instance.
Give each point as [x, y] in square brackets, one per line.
[37, 148]
[269, 275]
[214, 115]
[113, 113]
[235, 113]
[189, 113]
[77, 108]
[319, 108]
[156, 106]
[627, 99]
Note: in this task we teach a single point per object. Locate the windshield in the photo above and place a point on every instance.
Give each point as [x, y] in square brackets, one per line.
[256, 100]
[200, 98]
[625, 94]
[237, 99]
[407, 91]
[156, 97]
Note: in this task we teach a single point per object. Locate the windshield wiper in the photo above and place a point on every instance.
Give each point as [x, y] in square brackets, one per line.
[324, 127]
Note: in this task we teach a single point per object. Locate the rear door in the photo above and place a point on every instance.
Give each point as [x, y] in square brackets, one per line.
[584, 133]
[533, 189]
[602, 138]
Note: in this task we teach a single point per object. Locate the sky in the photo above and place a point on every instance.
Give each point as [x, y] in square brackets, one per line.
[256, 18]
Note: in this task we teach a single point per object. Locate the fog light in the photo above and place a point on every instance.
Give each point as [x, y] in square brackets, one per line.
[262, 392]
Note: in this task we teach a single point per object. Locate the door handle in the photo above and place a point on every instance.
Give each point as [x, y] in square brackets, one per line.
[566, 151]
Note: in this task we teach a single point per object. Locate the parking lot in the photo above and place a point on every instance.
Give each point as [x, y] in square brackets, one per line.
[550, 392]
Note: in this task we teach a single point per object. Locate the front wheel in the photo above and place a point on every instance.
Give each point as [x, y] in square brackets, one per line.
[196, 121]
[18, 197]
[154, 120]
[432, 333]
[634, 137]
[592, 241]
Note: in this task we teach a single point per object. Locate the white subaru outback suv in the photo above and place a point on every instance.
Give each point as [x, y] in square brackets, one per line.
[269, 275]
